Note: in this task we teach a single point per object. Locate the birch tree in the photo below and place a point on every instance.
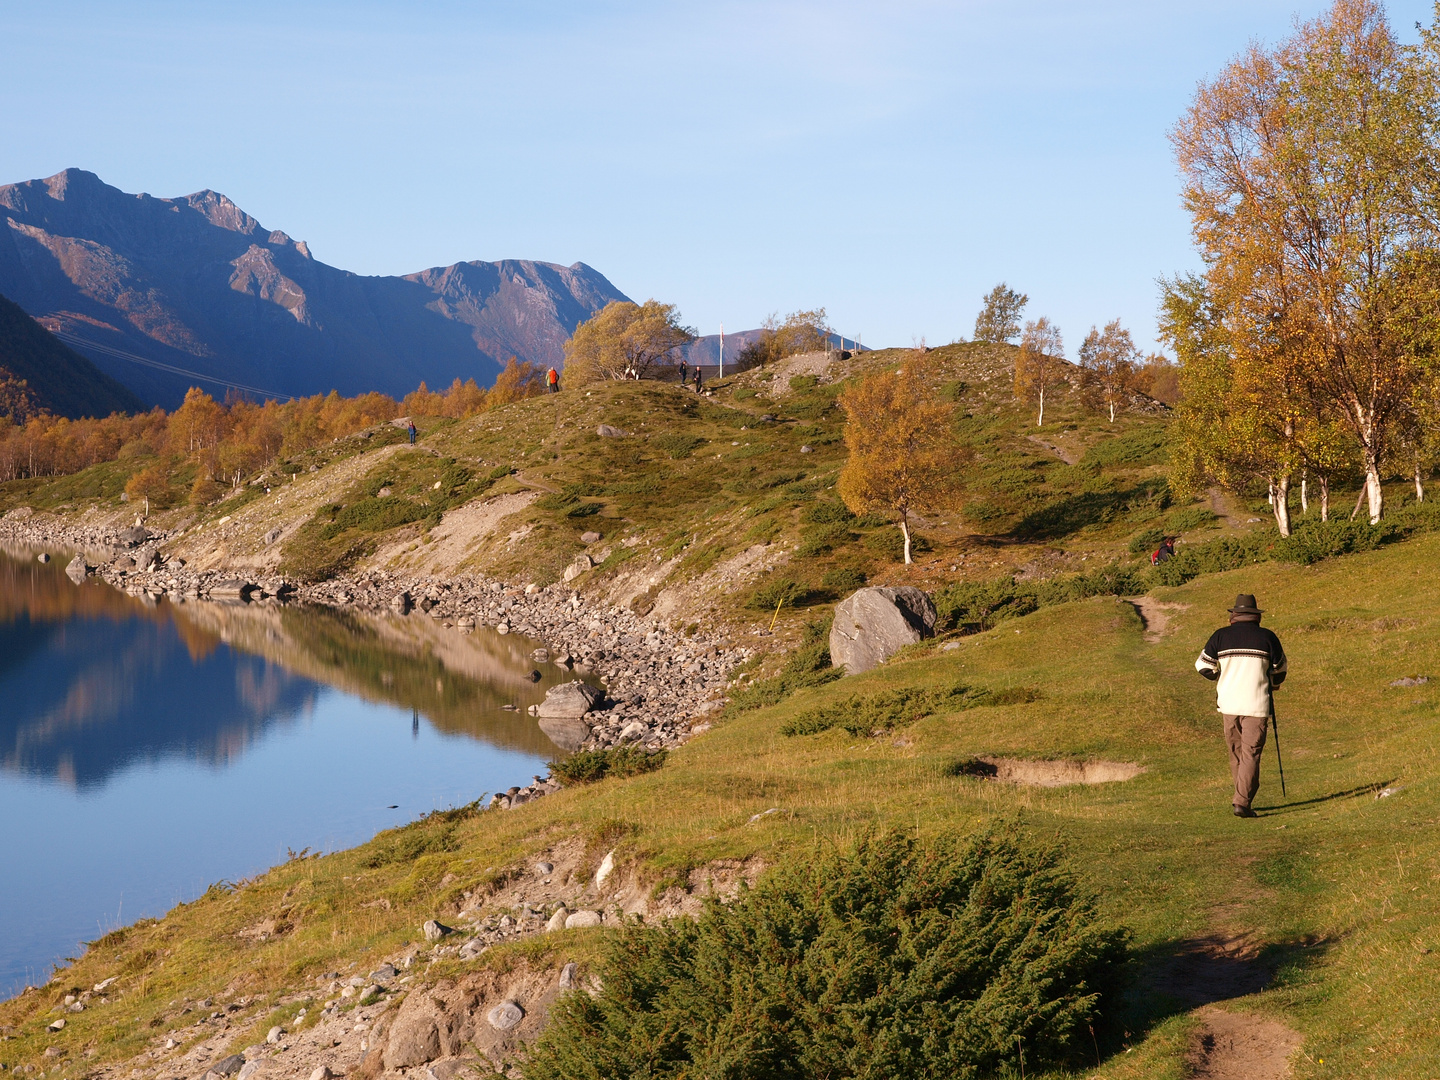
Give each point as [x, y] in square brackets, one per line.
[1107, 366]
[999, 318]
[903, 457]
[1040, 364]
[1305, 173]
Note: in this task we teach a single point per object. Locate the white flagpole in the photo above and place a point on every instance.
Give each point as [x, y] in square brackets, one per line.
[722, 350]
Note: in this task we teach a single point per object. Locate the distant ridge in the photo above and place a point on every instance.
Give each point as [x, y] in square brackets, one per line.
[38, 372]
[196, 284]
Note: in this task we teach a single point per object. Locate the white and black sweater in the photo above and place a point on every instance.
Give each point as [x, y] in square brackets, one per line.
[1247, 661]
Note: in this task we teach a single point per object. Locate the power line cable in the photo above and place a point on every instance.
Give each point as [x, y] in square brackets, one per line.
[121, 354]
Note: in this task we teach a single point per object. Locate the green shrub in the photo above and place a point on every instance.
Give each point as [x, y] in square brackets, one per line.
[775, 593]
[863, 714]
[803, 382]
[826, 513]
[678, 446]
[843, 579]
[584, 509]
[588, 766]
[897, 959]
[823, 539]
[1146, 541]
[1140, 446]
[890, 543]
[744, 393]
[808, 666]
[1192, 517]
[981, 605]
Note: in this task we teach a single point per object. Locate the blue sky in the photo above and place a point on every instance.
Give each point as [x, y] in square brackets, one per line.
[888, 161]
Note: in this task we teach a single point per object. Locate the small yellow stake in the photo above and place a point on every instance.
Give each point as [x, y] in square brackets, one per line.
[776, 615]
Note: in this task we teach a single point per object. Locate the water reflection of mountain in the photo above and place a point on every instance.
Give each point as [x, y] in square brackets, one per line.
[94, 680]
[102, 695]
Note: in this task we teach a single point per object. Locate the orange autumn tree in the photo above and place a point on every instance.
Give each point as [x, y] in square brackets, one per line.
[903, 455]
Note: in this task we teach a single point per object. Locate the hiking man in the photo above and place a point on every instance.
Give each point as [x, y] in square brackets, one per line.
[1165, 552]
[1246, 663]
[412, 432]
[697, 378]
[684, 372]
[552, 380]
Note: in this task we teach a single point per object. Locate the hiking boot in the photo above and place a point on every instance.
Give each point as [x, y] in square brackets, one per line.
[1244, 811]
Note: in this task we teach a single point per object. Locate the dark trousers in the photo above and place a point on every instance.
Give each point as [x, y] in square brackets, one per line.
[1245, 735]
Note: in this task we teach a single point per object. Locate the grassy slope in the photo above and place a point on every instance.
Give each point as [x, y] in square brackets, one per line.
[1337, 885]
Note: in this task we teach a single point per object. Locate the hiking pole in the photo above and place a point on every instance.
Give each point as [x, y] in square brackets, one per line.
[1275, 727]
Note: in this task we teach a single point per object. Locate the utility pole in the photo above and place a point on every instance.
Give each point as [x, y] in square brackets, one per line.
[722, 350]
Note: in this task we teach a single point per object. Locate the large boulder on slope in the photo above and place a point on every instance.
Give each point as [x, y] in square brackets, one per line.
[873, 624]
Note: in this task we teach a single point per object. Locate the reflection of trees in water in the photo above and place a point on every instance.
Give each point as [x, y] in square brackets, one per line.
[459, 682]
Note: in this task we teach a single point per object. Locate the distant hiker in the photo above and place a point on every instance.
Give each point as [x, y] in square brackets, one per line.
[684, 372]
[1246, 662]
[1165, 552]
[697, 378]
[552, 380]
[413, 432]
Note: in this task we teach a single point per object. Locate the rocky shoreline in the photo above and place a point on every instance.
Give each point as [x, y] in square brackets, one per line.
[659, 686]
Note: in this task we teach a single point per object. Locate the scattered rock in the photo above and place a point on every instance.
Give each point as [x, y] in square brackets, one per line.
[589, 537]
[105, 984]
[228, 1066]
[384, 973]
[250, 1069]
[544, 869]
[270, 538]
[1412, 680]
[43, 557]
[77, 571]
[322, 1073]
[505, 1016]
[607, 867]
[567, 976]
[557, 921]
[134, 537]
[273, 1035]
[806, 450]
[434, 931]
[59, 1025]
[233, 590]
[605, 431]
[875, 623]
[582, 564]
[580, 919]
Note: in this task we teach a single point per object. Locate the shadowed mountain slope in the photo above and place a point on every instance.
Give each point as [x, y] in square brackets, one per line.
[54, 377]
[147, 286]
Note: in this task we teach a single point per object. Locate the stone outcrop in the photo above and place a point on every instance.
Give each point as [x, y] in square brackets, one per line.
[873, 624]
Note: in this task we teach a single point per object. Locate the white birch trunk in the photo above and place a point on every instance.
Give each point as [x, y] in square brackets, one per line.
[1372, 480]
[1041, 421]
[1324, 497]
[1304, 493]
[1419, 484]
[1280, 500]
[905, 528]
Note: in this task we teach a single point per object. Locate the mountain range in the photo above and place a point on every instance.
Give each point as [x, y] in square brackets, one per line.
[164, 294]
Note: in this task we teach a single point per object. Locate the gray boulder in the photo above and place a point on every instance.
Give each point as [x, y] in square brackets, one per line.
[77, 570]
[874, 624]
[582, 564]
[229, 1066]
[134, 537]
[568, 701]
[505, 1016]
[605, 431]
[42, 557]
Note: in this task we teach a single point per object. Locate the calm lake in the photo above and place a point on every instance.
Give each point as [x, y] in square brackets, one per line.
[150, 749]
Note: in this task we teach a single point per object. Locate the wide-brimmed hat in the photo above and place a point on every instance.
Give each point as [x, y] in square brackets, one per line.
[1245, 605]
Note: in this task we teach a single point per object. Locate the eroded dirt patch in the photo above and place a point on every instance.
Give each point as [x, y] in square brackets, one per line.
[1154, 614]
[1055, 773]
[1241, 1046]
